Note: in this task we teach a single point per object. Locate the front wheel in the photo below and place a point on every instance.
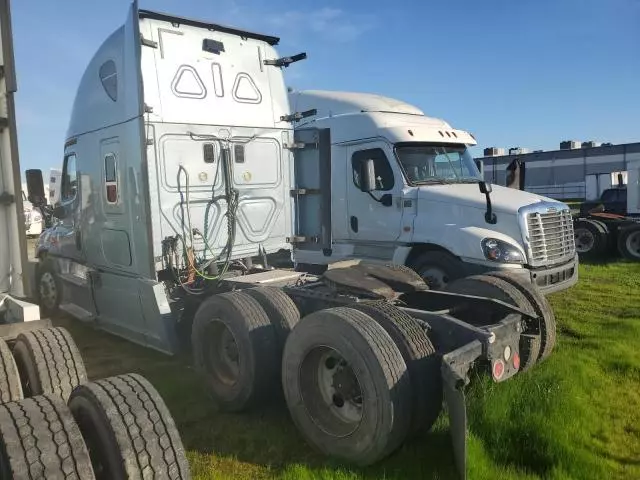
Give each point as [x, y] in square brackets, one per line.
[49, 289]
[437, 268]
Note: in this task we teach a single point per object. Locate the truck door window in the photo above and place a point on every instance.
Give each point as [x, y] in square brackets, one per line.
[69, 178]
[609, 196]
[111, 178]
[384, 174]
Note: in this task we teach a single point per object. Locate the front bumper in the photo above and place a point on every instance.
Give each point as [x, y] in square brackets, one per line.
[553, 279]
[547, 279]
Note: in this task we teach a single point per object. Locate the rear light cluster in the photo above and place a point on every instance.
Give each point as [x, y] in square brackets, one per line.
[500, 365]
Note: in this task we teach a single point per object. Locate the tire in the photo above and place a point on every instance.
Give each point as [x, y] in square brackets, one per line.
[629, 242]
[373, 371]
[500, 289]
[546, 328]
[48, 281]
[49, 362]
[418, 354]
[237, 322]
[39, 440]
[591, 239]
[437, 268]
[10, 386]
[129, 430]
[280, 308]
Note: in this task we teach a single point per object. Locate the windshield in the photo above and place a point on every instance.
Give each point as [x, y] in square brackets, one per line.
[438, 163]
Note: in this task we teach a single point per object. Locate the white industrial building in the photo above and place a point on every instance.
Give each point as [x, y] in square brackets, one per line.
[578, 170]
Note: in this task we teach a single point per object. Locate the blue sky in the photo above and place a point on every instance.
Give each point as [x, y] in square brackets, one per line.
[514, 73]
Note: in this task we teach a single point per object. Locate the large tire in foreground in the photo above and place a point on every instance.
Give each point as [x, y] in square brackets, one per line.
[590, 237]
[235, 347]
[39, 440]
[10, 386]
[500, 289]
[629, 242]
[129, 430]
[346, 385]
[420, 357]
[546, 328]
[49, 362]
[437, 268]
[281, 310]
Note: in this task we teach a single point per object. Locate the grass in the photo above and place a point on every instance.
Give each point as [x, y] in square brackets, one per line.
[577, 415]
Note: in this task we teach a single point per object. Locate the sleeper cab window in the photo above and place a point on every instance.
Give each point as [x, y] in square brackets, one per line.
[111, 178]
[109, 78]
[69, 178]
[384, 174]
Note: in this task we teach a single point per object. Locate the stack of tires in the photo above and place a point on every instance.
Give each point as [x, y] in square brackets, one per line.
[357, 379]
[54, 424]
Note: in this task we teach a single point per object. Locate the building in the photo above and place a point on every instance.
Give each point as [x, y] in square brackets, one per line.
[579, 170]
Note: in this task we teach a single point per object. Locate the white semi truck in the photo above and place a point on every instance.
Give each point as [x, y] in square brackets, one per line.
[180, 167]
[427, 209]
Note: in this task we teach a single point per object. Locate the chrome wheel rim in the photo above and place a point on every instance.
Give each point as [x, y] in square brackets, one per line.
[48, 290]
[632, 244]
[584, 240]
[435, 277]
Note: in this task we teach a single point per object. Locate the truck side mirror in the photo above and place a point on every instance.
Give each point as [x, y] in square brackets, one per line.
[480, 165]
[485, 187]
[35, 188]
[367, 175]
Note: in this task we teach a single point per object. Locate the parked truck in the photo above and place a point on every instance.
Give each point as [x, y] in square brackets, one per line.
[182, 174]
[602, 231]
[429, 209]
[54, 423]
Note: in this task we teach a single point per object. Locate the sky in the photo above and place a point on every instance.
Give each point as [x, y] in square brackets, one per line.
[513, 73]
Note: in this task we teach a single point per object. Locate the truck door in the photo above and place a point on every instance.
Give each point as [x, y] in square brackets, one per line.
[370, 221]
[70, 254]
[116, 285]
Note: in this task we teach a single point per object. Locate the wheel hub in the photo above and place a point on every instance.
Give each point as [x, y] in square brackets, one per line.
[584, 240]
[48, 291]
[339, 387]
[633, 244]
[434, 277]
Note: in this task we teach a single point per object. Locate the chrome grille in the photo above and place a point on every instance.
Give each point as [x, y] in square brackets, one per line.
[550, 237]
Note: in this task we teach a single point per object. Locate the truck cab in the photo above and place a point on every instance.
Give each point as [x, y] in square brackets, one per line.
[426, 208]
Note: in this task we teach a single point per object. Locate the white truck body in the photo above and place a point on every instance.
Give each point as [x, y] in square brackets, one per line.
[447, 216]
[159, 103]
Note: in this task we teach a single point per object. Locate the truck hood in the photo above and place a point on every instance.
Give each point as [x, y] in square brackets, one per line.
[503, 199]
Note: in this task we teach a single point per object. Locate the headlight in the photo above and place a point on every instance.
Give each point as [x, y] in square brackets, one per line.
[499, 251]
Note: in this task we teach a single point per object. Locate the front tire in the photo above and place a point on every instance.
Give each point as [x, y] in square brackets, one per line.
[437, 268]
[49, 289]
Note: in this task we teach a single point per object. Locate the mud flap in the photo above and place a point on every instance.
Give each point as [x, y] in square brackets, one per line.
[455, 366]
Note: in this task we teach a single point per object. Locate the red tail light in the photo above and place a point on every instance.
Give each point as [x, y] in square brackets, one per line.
[516, 361]
[112, 194]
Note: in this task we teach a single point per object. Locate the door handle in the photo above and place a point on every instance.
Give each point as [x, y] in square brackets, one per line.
[354, 223]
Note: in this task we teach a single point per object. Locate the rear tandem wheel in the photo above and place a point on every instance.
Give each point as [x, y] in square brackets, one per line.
[346, 385]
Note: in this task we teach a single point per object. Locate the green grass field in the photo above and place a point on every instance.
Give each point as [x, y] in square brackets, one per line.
[577, 415]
